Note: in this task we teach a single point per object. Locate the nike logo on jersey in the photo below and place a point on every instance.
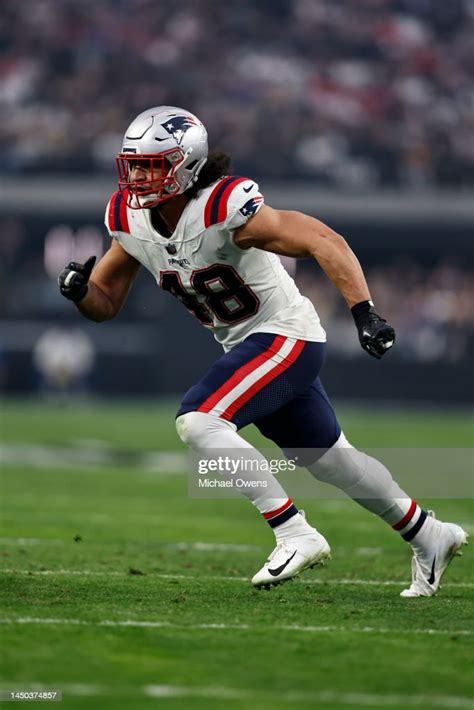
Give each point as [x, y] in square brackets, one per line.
[279, 570]
[431, 578]
[247, 189]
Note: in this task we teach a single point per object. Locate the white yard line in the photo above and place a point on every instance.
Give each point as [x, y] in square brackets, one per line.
[29, 541]
[212, 546]
[194, 546]
[192, 578]
[152, 624]
[328, 697]
[50, 456]
[324, 696]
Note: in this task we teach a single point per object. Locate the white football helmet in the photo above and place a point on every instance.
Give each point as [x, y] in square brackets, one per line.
[172, 144]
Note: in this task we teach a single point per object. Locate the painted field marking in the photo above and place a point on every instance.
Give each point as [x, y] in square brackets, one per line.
[324, 696]
[143, 623]
[196, 546]
[212, 547]
[29, 541]
[193, 578]
[329, 697]
[45, 457]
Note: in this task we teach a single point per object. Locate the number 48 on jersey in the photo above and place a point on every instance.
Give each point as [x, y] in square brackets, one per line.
[226, 295]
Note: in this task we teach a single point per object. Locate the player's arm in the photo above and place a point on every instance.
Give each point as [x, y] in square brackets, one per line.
[299, 235]
[99, 293]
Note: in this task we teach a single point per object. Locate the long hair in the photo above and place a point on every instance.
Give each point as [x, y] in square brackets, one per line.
[217, 165]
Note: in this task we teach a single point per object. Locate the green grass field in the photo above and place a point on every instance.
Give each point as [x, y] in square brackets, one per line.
[123, 592]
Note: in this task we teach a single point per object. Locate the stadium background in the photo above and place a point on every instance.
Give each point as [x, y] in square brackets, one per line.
[359, 113]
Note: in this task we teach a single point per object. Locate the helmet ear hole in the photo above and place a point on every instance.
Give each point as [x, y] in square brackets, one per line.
[192, 165]
[175, 157]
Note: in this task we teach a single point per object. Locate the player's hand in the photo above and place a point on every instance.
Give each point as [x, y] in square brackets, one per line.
[375, 335]
[73, 279]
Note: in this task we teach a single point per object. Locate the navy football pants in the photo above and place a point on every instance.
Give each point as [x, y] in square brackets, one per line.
[271, 381]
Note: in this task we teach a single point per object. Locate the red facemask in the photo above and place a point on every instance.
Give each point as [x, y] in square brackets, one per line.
[161, 184]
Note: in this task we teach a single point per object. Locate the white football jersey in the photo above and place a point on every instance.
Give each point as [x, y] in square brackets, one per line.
[234, 292]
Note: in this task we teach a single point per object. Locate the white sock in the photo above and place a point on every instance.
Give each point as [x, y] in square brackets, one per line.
[369, 483]
[204, 432]
[412, 526]
[294, 527]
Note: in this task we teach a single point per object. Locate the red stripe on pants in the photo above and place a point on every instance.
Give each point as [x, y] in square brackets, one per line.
[241, 373]
[260, 384]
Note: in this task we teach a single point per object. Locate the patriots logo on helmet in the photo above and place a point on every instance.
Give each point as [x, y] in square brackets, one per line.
[177, 126]
[251, 206]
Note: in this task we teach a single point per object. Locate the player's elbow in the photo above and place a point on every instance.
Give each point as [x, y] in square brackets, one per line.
[102, 317]
[324, 237]
[109, 310]
[98, 306]
[315, 232]
[96, 315]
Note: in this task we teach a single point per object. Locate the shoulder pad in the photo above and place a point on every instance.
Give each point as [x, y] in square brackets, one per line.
[217, 206]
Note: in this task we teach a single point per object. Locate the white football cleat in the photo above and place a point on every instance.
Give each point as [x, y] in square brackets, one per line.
[291, 557]
[429, 565]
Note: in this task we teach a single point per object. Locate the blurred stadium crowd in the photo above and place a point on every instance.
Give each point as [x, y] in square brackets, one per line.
[431, 309]
[349, 94]
[429, 305]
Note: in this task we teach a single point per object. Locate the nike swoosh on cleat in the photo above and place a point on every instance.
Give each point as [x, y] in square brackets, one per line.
[247, 189]
[431, 578]
[279, 570]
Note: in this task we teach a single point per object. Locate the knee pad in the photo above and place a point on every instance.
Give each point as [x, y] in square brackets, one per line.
[198, 429]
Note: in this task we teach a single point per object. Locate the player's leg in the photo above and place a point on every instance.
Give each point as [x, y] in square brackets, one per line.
[307, 429]
[254, 379]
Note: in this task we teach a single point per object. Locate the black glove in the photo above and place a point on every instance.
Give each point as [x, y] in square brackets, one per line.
[375, 334]
[73, 279]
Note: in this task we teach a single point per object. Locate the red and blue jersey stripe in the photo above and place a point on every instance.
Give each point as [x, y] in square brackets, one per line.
[216, 206]
[117, 216]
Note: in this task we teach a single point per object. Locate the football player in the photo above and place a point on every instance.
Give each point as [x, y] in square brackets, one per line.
[209, 239]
